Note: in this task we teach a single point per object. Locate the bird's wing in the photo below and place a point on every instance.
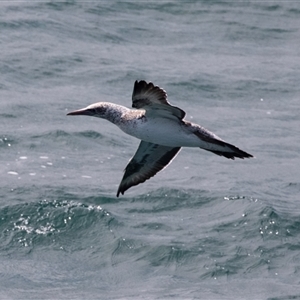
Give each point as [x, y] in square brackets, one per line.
[214, 144]
[148, 160]
[147, 96]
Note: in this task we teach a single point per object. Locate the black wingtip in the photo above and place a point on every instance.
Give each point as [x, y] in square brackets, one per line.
[232, 155]
[119, 191]
[140, 86]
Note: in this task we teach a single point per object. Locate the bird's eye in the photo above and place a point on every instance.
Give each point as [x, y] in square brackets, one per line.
[92, 111]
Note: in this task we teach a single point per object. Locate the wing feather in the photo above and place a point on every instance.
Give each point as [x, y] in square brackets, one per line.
[148, 160]
[148, 96]
[218, 146]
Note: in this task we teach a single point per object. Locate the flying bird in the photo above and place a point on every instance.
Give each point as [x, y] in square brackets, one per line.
[162, 130]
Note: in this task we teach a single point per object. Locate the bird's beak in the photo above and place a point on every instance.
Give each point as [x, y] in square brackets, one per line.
[79, 112]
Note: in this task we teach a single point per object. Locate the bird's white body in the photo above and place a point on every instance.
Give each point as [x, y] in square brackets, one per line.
[162, 131]
[157, 126]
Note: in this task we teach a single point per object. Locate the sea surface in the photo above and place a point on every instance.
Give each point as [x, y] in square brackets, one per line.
[204, 228]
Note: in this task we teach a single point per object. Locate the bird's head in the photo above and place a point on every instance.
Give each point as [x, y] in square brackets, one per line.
[95, 110]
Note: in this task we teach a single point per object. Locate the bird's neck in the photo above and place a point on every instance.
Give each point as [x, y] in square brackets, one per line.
[114, 113]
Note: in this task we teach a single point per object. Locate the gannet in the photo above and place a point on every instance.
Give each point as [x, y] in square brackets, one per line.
[162, 130]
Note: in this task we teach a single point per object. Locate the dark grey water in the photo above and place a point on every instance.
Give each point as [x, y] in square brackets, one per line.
[204, 228]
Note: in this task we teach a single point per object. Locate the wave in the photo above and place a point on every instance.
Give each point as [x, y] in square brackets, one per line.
[48, 223]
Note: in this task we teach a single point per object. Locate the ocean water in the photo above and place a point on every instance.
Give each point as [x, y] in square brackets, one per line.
[204, 228]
